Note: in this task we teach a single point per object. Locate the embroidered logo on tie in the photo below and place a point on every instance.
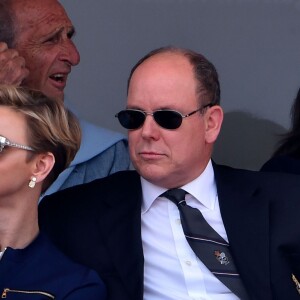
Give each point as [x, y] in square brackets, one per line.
[221, 257]
[296, 282]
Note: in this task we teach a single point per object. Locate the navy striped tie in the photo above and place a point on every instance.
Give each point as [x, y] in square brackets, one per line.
[207, 244]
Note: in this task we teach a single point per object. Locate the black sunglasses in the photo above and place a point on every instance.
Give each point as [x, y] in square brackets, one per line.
[168, 119]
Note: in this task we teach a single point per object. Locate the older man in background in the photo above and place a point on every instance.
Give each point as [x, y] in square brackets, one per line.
[37, 51]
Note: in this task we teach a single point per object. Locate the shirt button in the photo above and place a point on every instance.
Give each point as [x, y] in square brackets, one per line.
[188, 263]
[178, 221]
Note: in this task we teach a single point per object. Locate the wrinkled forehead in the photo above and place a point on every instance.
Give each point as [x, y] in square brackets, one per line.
[36, 14]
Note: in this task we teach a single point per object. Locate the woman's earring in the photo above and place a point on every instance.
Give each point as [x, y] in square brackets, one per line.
[32, 182]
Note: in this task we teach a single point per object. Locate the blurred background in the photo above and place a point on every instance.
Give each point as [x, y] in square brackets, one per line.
[254, 44]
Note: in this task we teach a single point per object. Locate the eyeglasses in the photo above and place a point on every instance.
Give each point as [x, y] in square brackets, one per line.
[168, 119]
[6, 142]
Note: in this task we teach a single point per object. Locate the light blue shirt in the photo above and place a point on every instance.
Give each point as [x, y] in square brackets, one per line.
[102, 152]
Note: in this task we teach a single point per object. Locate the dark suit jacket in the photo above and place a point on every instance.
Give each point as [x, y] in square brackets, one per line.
[99, 224]
[282, 163]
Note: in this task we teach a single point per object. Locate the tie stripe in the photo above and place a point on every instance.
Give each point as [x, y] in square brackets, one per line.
[206, 240]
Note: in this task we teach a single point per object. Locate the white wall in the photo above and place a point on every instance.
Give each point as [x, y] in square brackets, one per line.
[254, 44]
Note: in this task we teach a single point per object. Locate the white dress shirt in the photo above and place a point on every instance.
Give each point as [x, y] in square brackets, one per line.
[1, 253]
[172, 270]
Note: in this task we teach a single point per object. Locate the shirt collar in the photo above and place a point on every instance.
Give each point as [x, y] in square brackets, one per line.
[203, 188]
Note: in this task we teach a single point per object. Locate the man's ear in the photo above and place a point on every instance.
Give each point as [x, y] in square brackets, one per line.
[213, 120]
[43, 164]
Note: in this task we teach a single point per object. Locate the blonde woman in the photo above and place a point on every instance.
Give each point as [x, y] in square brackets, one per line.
[38, 140]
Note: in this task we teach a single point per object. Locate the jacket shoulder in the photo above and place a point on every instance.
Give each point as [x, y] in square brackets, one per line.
[90, 194]
[248, 179]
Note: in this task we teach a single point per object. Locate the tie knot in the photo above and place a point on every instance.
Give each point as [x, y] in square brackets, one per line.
[175, 195]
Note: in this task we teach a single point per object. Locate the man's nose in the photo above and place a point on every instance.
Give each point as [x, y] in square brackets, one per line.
[150, 128]
[70, 53]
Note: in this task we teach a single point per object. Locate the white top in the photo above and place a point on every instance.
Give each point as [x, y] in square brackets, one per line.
[1, 253]
[172, 270]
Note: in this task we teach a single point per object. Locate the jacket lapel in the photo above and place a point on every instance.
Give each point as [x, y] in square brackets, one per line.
[245, 213]
[121, 227]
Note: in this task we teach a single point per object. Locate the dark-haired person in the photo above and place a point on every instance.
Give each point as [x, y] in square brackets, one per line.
[38, 140]
[37, 51]
[286, 158]
[224, 233]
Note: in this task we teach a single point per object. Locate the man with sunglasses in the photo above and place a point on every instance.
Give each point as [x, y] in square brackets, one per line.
[243, 244]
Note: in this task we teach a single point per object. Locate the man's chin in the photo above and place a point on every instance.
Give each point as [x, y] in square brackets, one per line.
[56, 95]
[50, 92]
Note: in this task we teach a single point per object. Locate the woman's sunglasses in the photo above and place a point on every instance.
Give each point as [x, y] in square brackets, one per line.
[168, 119]
[4, 142]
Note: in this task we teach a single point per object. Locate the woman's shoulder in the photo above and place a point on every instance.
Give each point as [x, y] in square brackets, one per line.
[57, 273]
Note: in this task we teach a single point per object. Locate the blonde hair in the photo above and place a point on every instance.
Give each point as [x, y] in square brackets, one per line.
[51, 127]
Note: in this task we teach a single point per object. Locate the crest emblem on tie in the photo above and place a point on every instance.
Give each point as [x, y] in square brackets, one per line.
[221, 257]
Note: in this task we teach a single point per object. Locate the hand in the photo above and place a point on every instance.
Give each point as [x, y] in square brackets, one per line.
[12, 66]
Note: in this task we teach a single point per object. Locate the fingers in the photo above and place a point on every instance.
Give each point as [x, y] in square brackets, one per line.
[3, 46]
[12, 66]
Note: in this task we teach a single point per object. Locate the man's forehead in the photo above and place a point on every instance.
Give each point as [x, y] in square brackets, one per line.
[167, 63]
[48, 15]
[164, 68]
[38, 11]
[31, 4]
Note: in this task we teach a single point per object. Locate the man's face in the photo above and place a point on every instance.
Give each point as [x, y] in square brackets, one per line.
[44, 38]
[168, 158]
